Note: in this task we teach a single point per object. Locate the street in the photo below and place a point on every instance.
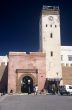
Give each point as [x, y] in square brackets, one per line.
[40, 102]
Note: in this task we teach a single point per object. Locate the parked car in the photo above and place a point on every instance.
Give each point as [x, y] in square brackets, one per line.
[65, 90]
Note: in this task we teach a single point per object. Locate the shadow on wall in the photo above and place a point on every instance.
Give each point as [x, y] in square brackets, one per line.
[46, 85]
[52, 86]
[3, 78]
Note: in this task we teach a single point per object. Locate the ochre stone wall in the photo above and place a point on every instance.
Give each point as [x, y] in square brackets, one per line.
[21, 60]
[3, 77]
[67, 74]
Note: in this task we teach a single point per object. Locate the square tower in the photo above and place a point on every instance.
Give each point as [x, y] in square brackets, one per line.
[50, 42]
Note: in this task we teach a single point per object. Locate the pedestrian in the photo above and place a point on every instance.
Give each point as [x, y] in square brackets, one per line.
[36, 89]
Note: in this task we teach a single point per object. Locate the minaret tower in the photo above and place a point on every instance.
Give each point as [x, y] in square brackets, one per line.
[50, 41]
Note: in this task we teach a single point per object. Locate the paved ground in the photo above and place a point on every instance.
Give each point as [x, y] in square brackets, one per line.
[44, 102]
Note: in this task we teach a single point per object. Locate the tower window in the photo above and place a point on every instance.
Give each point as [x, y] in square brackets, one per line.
[51, 53]
[51, 35]
[46, 25]
[55, 26]
[51, 25]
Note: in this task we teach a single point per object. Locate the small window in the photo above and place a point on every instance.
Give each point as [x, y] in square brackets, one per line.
[55, 26]
[51, 53]
[57, 74]
[51, 25]
[46, 25]
[51, 35]
[70, 57]
[61, 57]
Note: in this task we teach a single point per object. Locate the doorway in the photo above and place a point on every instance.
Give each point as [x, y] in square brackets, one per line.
[27, 85]
[53, 86]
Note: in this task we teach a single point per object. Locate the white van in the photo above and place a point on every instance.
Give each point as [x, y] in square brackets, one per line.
[69, 89]
[65, 89]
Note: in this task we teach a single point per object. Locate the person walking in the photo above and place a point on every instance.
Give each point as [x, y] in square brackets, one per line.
[36, 89]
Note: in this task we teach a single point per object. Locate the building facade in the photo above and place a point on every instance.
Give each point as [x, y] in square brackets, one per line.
[66, 62]
[52, 66]
[66, 55]
[25, 71]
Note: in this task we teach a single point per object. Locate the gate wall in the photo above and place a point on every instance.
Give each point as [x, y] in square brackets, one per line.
[21, 64]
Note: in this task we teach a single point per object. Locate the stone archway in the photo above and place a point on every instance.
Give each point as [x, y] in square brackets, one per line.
[20, 79]
[27, 85]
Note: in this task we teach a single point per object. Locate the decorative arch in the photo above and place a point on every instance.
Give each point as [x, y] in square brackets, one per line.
[22, 76]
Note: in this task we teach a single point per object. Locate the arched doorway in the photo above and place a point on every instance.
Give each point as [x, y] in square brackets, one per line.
[27, 84]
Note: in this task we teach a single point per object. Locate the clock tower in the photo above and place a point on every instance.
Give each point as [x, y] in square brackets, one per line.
[49, 29]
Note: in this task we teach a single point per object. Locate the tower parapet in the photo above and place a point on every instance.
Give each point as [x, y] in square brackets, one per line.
[50, 10]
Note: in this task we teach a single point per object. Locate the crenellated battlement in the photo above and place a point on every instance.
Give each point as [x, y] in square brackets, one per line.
[56, 8]
[26, 54]
[3, 60]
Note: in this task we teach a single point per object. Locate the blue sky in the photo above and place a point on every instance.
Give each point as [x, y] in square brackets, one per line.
[19, 24]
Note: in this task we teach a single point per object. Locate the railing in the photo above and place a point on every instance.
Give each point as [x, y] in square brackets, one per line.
[55, 8]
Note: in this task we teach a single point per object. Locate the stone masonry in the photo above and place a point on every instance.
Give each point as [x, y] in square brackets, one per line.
[22, 64]
[67, 74]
